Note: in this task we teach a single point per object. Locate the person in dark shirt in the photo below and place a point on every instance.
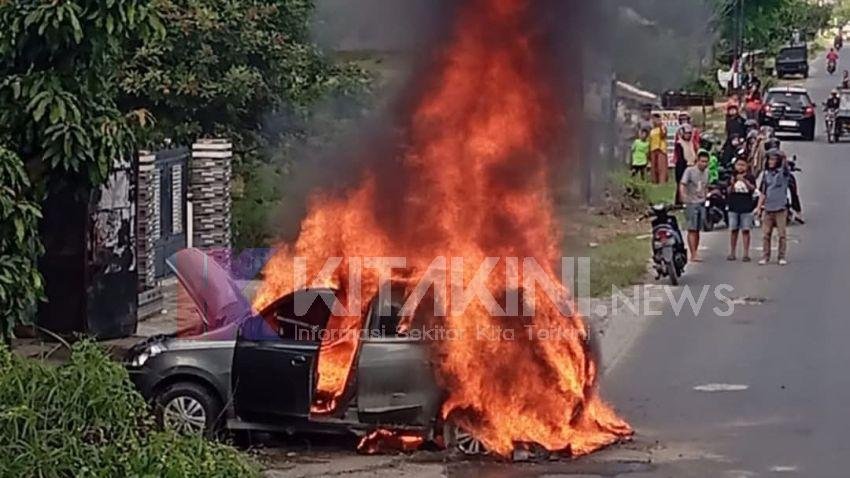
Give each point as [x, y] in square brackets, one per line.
[735, 123]
[742, 186]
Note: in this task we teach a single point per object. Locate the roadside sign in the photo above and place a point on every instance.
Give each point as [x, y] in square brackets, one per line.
[670, 118]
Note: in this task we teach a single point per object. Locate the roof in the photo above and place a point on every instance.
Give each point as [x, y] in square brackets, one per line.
[633, 92]
[787, 89]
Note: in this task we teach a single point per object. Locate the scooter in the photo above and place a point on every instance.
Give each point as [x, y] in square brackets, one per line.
[830, 67]
[829, 118]
[716, 202]
[669, 255]
[794, 205]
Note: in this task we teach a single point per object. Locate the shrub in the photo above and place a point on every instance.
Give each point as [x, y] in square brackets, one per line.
[85, 419]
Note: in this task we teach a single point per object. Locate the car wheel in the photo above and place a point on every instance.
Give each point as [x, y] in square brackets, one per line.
[809, 135]
[188, 408]
[459, 440]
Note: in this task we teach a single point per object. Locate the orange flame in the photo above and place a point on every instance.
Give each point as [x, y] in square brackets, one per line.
[480, 149]
[383, 440]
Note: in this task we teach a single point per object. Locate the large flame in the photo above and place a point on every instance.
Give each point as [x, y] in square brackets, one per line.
[476, 185]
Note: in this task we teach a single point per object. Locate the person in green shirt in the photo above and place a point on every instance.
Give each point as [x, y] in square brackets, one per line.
[713, 166]
[640, 154]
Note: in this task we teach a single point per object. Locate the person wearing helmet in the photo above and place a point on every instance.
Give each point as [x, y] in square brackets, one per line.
[834, 101]
[773, 204]
[696, 135]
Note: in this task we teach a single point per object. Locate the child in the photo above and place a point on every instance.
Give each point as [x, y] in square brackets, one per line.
[741, 206]
[640, 154]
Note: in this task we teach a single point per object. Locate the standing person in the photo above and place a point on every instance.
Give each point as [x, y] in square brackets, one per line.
[741, 207]
[736, 125]
[685, 153]
[685, 122]
[645, 119]
[773, 203]
[692, 190]
[640, 154]
[845, 80]
[658, 150]
[753, 102]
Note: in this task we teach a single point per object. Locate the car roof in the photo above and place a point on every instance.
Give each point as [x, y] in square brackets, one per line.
[788, 89]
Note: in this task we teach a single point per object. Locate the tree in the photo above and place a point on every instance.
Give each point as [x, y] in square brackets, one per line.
[768, 24]
[59, 115]
[224, 68]
[20, 283]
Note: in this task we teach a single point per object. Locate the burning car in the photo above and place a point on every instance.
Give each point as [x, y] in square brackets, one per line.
[257, 371]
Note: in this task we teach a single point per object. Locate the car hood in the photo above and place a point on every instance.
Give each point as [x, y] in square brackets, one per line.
[215, 294]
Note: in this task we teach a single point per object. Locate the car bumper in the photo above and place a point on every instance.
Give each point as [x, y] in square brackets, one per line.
[795, 126]
[145, 381]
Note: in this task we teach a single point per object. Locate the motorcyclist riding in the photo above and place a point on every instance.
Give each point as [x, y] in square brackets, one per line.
[834, 101]
[839, 41]
[831, 60]
[832, 105]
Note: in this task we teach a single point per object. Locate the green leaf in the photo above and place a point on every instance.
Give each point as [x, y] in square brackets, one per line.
[39, 111]
[75, 24]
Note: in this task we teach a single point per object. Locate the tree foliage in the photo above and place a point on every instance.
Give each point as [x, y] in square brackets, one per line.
[224, 65]
[20, 283]
[58, 115]
[768, 24]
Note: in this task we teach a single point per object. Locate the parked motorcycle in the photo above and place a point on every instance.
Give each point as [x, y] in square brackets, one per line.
[795, 208]
[830, 118]
[716, 202]
[669, 255]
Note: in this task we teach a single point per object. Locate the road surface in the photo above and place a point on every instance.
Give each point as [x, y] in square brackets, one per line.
[763, 392]
[788, 356]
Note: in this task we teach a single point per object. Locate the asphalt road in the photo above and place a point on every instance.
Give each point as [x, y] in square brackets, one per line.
[791, 352]
[764, 391]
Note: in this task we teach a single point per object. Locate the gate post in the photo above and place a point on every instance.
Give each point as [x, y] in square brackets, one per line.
[147, 221]
[209, 189]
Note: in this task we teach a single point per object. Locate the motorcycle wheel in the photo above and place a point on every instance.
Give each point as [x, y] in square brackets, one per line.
[673, 273]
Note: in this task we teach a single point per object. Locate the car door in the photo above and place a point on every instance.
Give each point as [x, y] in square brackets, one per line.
[273, 377]
[395, 382]
[276, 356]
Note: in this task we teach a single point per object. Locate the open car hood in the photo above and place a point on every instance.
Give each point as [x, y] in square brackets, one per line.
[215, 294]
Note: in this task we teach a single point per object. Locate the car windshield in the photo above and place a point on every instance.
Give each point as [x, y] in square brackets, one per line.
[792, 54]
[790, 99]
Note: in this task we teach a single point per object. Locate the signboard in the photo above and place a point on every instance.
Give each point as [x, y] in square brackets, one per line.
[670, 118]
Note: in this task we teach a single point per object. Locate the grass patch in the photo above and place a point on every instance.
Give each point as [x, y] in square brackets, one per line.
[661, 193]
[620, 262]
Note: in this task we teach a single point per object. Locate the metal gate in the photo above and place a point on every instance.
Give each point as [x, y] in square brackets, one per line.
[169, 202]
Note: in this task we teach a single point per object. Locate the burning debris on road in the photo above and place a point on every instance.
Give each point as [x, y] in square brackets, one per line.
[472, 183]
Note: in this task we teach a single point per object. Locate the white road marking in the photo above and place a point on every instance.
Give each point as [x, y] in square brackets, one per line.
[721, 387]
[783, 469]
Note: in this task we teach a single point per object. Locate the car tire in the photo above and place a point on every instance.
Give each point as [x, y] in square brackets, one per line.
[458, 440]
[809, 134]
[188, 408]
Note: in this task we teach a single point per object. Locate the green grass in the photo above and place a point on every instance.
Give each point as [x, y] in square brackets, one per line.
[661, 193]
[620, 262]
